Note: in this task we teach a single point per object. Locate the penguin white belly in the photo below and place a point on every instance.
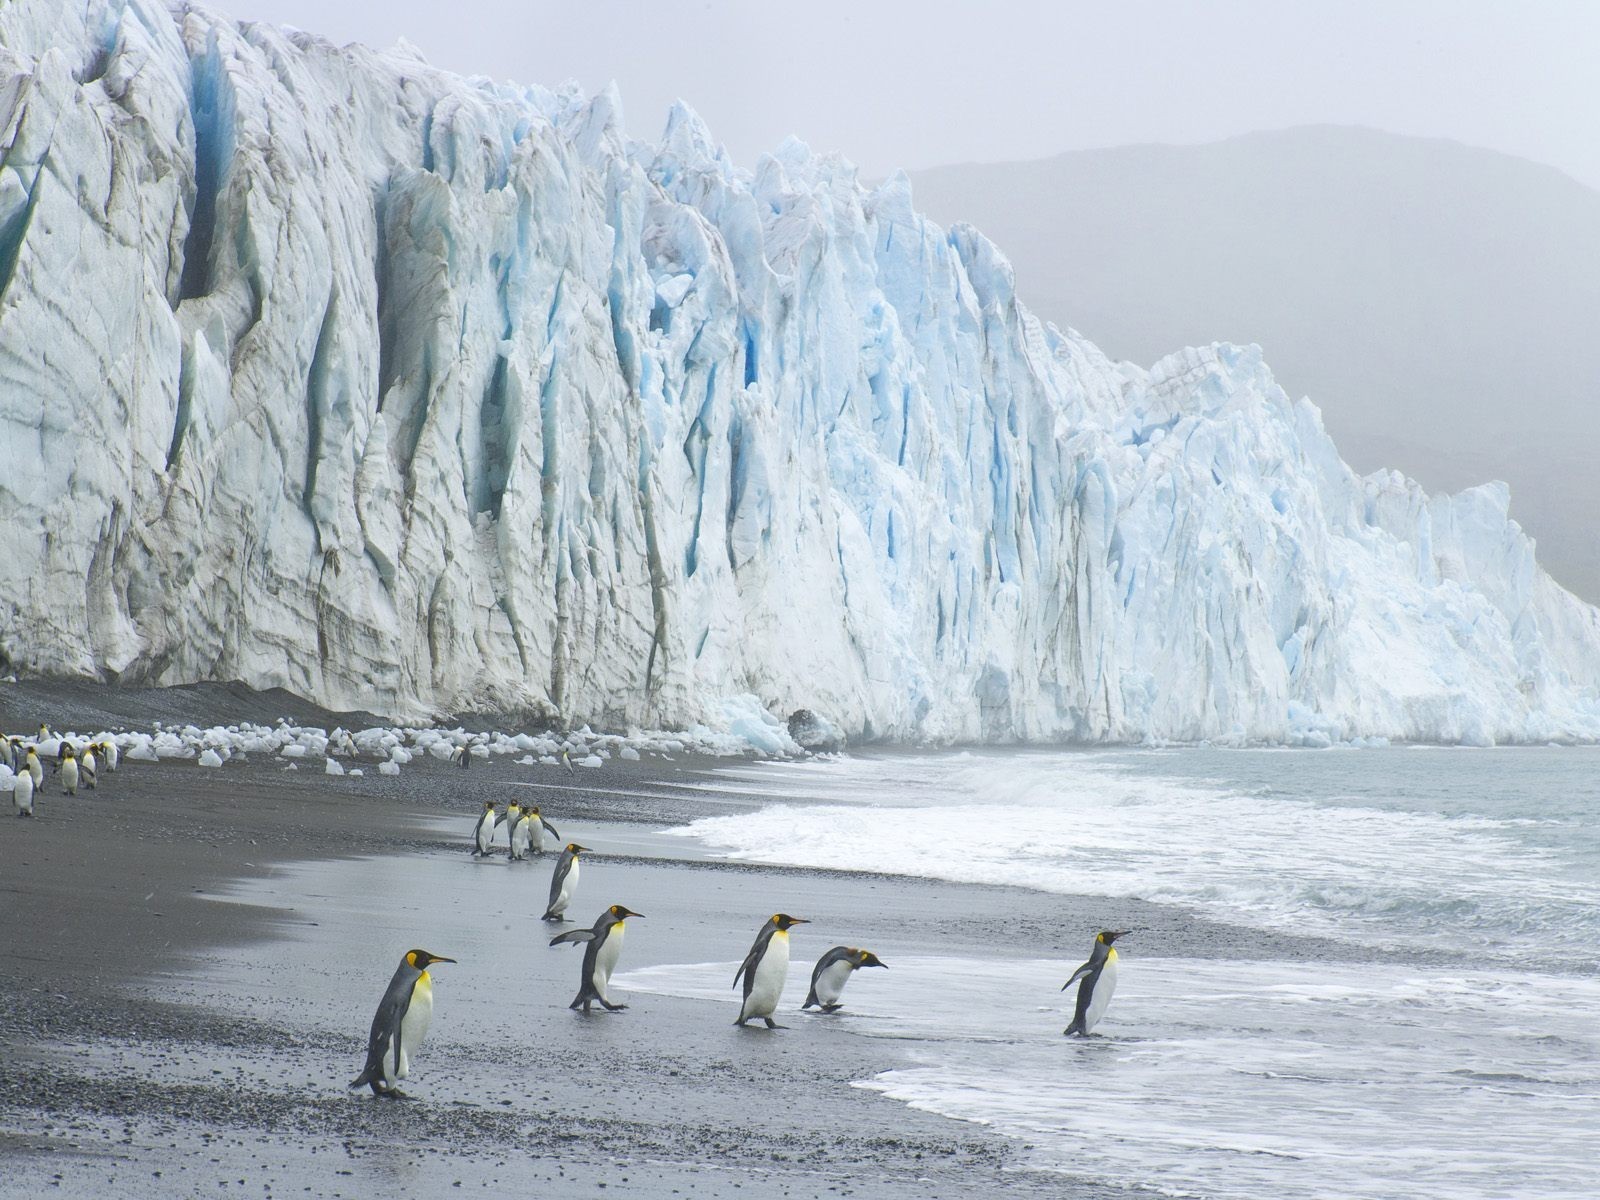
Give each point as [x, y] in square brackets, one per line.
[69, 776]
[771, 971]
[568, 886]
[485, 834]
[22, 792]
[536, 835]
[1100, 998]
[830, 984]
[605, 961]
[413, 1028]
[111, 757]
[36, 769]
[519, 839]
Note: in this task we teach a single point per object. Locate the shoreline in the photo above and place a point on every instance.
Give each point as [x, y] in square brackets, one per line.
[122, 1063]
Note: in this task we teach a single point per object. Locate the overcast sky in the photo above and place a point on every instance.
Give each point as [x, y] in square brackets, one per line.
[898, 83]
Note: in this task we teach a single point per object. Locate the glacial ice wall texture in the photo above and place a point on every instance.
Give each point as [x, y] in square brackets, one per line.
[323, 369]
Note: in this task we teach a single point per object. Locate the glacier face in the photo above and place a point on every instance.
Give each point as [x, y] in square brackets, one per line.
[323, 369]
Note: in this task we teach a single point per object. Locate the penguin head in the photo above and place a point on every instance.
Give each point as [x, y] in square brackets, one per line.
[1107, 936]
[574, 849]
[866, 958]
[622, 912]
[784, 921]
[422, 960]
[534, 810]
[488, 806]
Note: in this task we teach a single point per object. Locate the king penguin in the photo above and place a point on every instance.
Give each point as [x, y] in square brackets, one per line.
[68, 767]
[510, 819]
[108, 754]
[537, 828]
[1099, 976]
[833, 971]
[564, 882]
[35, 768]
[483, 831]
[519, 833]
[400, 1025]
[765, 968]
[22, 794]
[604, 944]
[86, 768]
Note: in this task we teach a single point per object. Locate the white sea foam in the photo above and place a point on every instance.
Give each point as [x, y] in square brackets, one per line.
[1086, 824]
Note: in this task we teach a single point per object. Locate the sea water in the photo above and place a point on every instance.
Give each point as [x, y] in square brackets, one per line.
[1456, 1055]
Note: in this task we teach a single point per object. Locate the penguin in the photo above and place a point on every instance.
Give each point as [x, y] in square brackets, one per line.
[63, 752]
[519, 837]
[400, 1025]
[604, 944]
[566, 761]
[35, 767]
[68, 770]
[22, 794]
[464, 757]
[109, 755]
[14, 749]
[833, 971]
[510, 819]
[86, 767]
[1099, 977]
[537, 828]
[765, 968]
[483, 831]
[564, 882]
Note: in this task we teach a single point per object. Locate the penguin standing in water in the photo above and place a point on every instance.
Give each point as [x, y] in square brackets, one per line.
[833, 971]
[68, 769]
[604, 944]
[765, 968]
[537, 828]
[400, 1025]
[511, 818]
[22, 794]
[564, 882]
[1099, 976]
[87, 768]
[483, 831]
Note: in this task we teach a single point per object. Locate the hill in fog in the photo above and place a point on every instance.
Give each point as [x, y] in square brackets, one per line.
[1441, 303]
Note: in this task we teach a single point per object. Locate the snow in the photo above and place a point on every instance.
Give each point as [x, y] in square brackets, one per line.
[209, 758]
[432, 394]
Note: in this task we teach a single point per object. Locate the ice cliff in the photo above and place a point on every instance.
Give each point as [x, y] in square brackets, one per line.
[323, 369]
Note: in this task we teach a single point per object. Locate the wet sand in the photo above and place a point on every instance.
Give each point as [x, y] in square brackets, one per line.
[194, 956]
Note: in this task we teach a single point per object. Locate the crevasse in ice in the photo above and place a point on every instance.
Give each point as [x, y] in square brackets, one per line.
[323, 369]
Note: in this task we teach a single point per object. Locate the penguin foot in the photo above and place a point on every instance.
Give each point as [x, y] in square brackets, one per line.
[614, 1007]
[771, 1024]
[831, 1008]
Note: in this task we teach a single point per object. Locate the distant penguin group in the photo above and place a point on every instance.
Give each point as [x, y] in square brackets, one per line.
[75, 764]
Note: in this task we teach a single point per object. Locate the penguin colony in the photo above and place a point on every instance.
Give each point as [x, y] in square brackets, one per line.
[406, 1008]
[73, 764]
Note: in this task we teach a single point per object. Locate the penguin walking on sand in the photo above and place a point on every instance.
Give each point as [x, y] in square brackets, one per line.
[109, 755]
[35, 768]
[22, 794]
[400, 1025]
[765, 968]
[564, 882]
[87, 768]
[483, 831]
[68, 769]
[566, 761]
[603, 945]
[833, 971]
[464, 757]
[537, 828]
[1099, 982]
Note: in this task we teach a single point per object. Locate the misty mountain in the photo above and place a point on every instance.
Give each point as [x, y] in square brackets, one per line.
[1439, 302]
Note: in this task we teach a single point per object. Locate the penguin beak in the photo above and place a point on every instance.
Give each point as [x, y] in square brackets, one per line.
[439, 959]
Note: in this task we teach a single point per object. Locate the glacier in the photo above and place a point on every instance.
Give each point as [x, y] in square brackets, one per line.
[326, 370]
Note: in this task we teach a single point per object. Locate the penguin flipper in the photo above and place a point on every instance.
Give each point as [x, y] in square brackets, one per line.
[1082, 971]
[385, 1036]
[550, 829]
[573, 935]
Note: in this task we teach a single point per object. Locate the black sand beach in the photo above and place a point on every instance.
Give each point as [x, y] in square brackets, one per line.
[166, 1033]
